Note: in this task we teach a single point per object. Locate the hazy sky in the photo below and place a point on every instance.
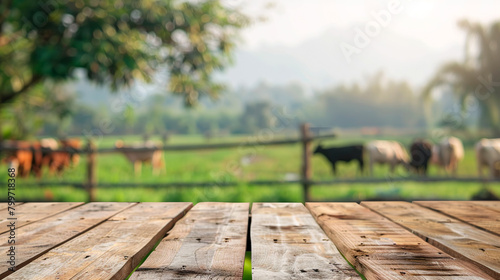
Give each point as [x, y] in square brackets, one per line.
[305, 41]
[293, 21]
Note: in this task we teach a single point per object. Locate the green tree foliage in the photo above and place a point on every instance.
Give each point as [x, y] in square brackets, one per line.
[378, 102]
[257, 115]
[381, 103]
[116, 42]
[478, 76]
[48, 109]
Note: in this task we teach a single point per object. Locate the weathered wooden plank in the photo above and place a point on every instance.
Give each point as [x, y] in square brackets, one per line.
[4, 205]
[288, 244]
[480, 216]
[111, 250]
[36, 238]
[208, 243]
[493, 205]
[380, 249]
[28, 213]
[456, 238]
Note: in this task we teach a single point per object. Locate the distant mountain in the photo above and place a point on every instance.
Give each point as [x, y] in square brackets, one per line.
[319, 62]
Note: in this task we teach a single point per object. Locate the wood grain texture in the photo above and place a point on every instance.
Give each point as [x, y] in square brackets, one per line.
[208, 243]
[39, 237]
[28, 213]
[380, 249]
[111, 250]
[288, 244]
[456, 238]
[4, 205]
[493, 205]
[469, 212]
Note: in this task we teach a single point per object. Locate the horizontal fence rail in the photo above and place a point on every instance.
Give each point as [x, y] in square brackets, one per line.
[407, 179]
[276, 182]
[90, 184]
[5, 147]
[305, 139]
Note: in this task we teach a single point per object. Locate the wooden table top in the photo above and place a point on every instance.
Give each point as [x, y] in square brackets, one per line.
[376, 240]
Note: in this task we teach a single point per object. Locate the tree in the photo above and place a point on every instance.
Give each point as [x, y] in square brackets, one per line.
[48, 105]
[378, 102]
[257, 115]
[116, 42]
[477, 76]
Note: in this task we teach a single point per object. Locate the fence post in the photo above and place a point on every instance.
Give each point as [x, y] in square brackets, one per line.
[306, 160]
[164, 139]
[91, 171]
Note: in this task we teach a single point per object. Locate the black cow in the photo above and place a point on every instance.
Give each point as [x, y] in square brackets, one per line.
[345, 154]
[421, 153]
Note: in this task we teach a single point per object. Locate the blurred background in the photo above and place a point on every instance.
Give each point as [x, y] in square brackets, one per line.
[209, 72]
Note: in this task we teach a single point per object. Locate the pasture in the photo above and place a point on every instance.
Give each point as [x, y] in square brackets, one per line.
[241, 165]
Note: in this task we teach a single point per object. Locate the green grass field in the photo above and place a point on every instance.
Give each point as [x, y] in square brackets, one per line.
[267, 163]
[242, 165]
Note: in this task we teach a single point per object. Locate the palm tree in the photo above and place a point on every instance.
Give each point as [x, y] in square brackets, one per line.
[478, 76]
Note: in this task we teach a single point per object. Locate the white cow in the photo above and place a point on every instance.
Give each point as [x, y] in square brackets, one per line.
[488, 154]
[139, 157]
[448, 153]
[49, 143]
[390, 152]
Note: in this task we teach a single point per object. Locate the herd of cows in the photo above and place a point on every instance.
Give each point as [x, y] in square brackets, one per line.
[30, 157]
[445, 154]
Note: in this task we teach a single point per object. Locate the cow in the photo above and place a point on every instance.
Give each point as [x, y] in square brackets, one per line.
[390, 152]
[345, 154]
[72, 145]
[421, 153]
[42, 148]
[57, 161]
[488, 154]
[139, 157]
[448, 153]
[22, 160]
[55, 158]
[49, 143]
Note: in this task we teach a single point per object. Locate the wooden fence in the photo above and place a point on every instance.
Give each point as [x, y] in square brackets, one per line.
[306, 137]
[91, 183]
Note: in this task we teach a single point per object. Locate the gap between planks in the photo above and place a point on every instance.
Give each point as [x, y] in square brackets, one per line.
[474, 213]
[287, 243]
[28, 213]
[456, 238]
[112, 249]
[380, 249]
[208, 243]
[39, 237]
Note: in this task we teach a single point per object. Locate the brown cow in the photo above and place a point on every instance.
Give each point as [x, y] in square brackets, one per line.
[23, 160]
[73, 144]
[43, 148]
[57, 161]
